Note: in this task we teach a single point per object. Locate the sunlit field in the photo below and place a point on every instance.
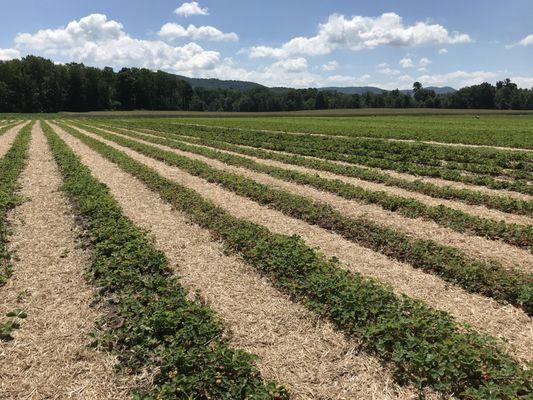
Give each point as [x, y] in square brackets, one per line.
[393, 249]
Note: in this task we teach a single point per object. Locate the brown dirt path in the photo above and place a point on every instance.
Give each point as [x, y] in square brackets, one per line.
[49, 357]
[502, 321]
[293, 346]
[510, 256]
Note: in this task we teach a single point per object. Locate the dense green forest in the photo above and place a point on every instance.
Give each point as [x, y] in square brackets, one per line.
[34, 84]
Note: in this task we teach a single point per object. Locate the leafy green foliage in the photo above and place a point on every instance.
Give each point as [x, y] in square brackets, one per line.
[35, 84]
[151, 323]
[514, 234]
[468, 196]
[12, 323]
[346, 150]
[486, 277]
[489, 129]
[426, 347]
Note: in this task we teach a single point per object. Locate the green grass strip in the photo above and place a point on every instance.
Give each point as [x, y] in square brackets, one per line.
[11, 166]
[426, 347]
[513, 234]
[478, 276]
[151, 323]
[318, 147]
[471, 197]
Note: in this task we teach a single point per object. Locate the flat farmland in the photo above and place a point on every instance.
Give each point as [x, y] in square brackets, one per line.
[308, 257]
[469, 128]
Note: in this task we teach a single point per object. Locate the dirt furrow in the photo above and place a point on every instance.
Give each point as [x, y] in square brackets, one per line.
[457, 185]
[49, 357]
[509, 256]
[293, 346]
[7, 139]
[503, 321]
[480, 211]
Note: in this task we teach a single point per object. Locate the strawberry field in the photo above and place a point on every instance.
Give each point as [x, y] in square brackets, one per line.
[267, 258]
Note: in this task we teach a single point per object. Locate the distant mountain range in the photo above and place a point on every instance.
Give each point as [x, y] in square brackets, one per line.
[244, 85]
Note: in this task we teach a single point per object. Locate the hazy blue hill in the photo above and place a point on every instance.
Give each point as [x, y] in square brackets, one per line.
[244, 85]
[442, 90]
[354, 89]
[220, 84]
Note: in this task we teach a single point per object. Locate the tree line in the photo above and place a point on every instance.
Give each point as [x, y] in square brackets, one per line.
[35, 84]
[505, 95]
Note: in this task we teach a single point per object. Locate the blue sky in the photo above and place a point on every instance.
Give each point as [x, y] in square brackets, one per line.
[297, 43]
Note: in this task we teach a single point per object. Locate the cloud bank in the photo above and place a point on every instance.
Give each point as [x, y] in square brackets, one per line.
[358, 33]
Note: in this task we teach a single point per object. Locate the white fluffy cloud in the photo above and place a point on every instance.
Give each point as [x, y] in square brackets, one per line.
[385, 69]
[98, 41]
[527, 41]
[192, 8]
[523, 81]
[407, 62]
[458, 78]
[172, 31]
[94, 28]
[345, 80]
[297, 46]
[424, 62]
[274, 76]
[359, 33]
[443, 51]
[330, 66]
[291, 65]
[9, 54]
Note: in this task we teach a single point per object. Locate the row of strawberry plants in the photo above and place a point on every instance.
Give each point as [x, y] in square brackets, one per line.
[514, 234]
[412, 153]
[479, 174]
[315, 149]
[424, 152]
[151, 323]
[7, 127]
[425, 346]
[11, 166]
[486, 277]
[518, 182]
[471, 197]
